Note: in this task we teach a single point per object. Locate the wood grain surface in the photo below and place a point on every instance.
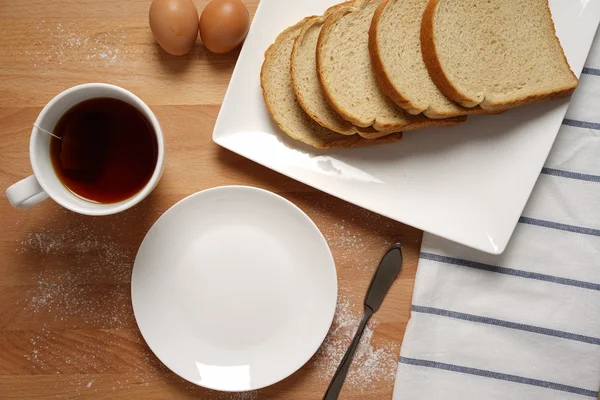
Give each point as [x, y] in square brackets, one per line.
[66, 325]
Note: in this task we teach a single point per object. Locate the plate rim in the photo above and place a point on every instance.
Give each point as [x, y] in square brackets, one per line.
[306, 218]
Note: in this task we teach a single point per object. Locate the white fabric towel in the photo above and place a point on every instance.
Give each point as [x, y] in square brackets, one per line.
[524, 325]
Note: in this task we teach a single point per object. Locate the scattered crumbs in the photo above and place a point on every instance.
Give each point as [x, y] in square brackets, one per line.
[252, 395]
[373, 365]
[63, 44]
[71, 262]
[359, 238]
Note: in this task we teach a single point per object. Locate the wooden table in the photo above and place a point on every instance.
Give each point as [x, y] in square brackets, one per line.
[66, 323]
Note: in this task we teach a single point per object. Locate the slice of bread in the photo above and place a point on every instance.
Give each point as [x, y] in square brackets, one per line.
[395, 48]
[347, 78]
[276, 82]
[306, 83]
[496, 54]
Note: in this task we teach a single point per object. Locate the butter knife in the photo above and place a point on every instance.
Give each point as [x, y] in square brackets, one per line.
[386, 272]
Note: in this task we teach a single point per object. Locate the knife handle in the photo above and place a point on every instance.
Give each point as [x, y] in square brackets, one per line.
[335, 387]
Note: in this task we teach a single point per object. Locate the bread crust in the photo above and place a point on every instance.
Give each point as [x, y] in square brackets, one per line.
[388, 87]
[329, 21]
[348, 128]
[379, 69]
[437, 74]
[443, 82]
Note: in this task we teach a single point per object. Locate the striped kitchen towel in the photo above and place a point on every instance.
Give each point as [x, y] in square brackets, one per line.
[524, 325]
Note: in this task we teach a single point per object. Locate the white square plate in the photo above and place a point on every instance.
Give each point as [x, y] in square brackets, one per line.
[468, 183]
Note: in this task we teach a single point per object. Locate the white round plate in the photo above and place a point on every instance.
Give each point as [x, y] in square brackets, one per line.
[234, 288]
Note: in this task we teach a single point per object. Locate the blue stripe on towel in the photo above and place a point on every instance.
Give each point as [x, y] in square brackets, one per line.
[498, 375]
[559, 226]
[581, 124]
[591, 71]
[505, 324]
[571, 175]
[510, 271]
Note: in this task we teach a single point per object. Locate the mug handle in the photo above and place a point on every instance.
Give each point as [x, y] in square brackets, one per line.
[26, 193]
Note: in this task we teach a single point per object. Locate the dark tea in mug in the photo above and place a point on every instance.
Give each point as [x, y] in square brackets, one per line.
[107, 152]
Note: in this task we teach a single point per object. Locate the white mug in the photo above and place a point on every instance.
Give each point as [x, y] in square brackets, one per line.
[45, 183]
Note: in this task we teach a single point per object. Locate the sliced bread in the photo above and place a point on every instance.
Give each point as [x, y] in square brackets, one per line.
[347, 78]
[395, 48]
[306, 83]
[280, 99]
[496, 54]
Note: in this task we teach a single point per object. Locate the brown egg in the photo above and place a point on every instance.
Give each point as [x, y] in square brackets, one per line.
[224, 25]
[174, 24]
